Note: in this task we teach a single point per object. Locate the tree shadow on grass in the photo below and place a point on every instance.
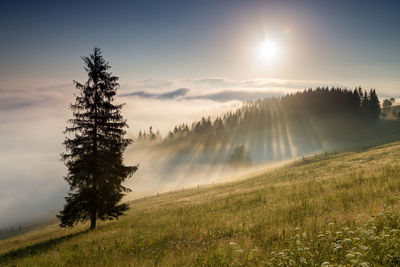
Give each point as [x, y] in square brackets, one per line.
[35, 248]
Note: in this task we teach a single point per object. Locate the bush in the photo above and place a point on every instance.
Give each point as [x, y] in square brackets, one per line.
[240, 157]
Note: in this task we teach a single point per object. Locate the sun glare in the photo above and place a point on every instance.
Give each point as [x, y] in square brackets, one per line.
[268, 50]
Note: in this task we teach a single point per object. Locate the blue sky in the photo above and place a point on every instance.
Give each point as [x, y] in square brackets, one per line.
[348, 42]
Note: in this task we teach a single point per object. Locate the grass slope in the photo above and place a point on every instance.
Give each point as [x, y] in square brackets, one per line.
[328, 211]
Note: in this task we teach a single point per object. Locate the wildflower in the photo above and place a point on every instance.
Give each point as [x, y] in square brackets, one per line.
[346, 229]
[331, 224]
[350, 232]
[356, 239]
[337, 248]
[339, 241]
[347, 240]
[232, 244]
[363, 247]
[364, 264]
[325, 263]
[321, 236]
[239, 250]
[338, 233]
[349, 256]
[292, 262]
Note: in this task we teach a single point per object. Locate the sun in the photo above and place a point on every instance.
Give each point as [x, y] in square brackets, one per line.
[268, 50]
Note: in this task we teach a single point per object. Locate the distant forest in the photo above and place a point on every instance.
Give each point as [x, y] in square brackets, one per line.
[278, 127]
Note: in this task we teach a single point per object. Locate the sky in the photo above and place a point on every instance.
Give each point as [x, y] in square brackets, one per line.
[177, 61]
[349, 42]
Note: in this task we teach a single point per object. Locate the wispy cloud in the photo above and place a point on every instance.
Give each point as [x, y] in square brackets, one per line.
[217, 89]
[167, 95]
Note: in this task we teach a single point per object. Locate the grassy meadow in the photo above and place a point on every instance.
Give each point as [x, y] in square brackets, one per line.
[330, 211]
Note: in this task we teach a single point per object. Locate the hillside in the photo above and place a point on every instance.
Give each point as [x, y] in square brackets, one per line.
[337, 209]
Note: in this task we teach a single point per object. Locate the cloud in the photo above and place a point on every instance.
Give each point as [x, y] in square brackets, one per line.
[240, 95]
[16, 99]
[167, 95]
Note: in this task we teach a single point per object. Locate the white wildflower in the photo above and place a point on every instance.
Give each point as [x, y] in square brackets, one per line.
[337, 248]
[349, 256]
[347, 240]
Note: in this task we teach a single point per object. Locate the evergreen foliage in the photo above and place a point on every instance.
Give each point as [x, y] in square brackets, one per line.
[274, 128]
[95, 149]
[321, 103]
[240, 157]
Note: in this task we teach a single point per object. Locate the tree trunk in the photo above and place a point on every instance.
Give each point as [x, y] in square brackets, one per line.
[93, 221]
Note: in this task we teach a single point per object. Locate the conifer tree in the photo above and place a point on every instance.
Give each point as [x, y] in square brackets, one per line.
[95, 144]
[374, 105]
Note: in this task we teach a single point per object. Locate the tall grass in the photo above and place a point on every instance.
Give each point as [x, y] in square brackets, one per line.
[337, 210]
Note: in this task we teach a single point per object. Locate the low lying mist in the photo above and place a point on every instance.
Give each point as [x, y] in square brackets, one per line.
[32, 124]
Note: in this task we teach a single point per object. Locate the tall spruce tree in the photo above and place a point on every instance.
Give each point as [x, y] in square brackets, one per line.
[94, 156]
[374, 105]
